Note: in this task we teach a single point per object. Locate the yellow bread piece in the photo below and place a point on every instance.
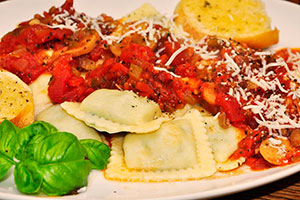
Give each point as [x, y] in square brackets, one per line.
[16, 101]
[244, 21]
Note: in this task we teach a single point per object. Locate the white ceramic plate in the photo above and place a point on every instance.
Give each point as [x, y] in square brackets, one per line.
[284, 16]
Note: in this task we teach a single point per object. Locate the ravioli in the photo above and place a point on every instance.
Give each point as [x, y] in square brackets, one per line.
[178, 151]
[116, 111]
[39, 90]
[148, 152]
[230, 164]
[223, 142]
[64, 122]
[145, 11]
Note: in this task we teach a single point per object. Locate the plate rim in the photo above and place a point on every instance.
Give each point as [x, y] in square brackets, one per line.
[227, 190]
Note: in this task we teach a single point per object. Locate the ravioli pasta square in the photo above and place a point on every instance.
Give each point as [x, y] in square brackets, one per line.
[148, 152]
[135, 157]
[124, 107]
[223, 142]
[230, 164]
[116, 111]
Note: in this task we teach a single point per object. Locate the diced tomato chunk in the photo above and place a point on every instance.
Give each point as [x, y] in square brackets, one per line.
[65, 86]
[96, 53]
[186, 70]
[170, 47]
[144, 89]
[182, 57]
[165, 77]
[258, 163]
[68, 5]
[30, 36]
[119, 69]
[62, 73]
[136, 51]
[26, 66]
[231, 107]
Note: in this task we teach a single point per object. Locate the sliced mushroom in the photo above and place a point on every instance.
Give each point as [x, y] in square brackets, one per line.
[274, 150]
[295, 138]
[84, 42]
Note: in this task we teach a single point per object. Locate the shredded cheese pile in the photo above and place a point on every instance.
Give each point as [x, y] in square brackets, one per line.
[271, 111]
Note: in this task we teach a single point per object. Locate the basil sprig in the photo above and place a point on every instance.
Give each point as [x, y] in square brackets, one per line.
[46, 160]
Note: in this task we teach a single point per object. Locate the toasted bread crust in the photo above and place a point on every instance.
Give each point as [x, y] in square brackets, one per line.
[262, 40]
[25, 117]
[259, 38]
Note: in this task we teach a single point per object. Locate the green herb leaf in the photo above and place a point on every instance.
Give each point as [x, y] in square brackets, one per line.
[49, 161]
[8, 132]
[62, 163]
[4, 167]
[8, 145]
[27, 177]
[61, 146]
[98, 153]
[64, 177]
[39, 129]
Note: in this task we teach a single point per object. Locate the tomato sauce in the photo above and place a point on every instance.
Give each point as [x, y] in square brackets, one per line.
[131, 64]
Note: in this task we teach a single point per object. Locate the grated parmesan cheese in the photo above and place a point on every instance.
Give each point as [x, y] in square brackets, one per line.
[271, 111]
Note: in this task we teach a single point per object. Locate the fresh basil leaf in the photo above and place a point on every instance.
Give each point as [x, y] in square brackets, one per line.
[98, 153]
[4, 167]
[26, 134]
[8, 133]
[8, 145]
[64, 177]
[27, 152]
[27, 177]
[60, 158]
[57, 147]
[50, 161]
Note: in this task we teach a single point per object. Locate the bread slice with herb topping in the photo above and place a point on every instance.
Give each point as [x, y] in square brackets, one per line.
[16, 101]
[245, 21]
